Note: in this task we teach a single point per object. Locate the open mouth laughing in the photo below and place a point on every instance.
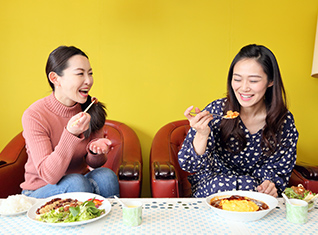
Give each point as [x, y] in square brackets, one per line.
[246, 97]
[84, 92]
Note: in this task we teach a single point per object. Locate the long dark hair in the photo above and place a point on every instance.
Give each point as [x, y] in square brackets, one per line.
[275, 101]
[58, 62]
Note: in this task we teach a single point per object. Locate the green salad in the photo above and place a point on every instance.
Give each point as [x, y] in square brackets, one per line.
[301, 193]
[85, 211]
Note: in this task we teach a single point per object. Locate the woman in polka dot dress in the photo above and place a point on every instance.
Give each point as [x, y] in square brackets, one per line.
[257, 150]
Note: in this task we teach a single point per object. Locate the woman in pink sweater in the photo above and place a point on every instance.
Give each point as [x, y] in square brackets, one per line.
[62, 140]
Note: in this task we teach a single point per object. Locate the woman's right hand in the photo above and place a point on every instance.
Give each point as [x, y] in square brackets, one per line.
[79, 123]
[200, 123]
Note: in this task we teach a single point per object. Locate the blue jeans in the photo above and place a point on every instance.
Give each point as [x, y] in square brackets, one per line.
[102, 181]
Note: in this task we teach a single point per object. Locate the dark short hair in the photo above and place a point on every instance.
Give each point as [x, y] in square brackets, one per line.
[58, 60]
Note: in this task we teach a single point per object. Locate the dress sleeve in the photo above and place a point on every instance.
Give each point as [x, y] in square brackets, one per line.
[188, 159]
[95, 160]
[278, 167]
[51, 164]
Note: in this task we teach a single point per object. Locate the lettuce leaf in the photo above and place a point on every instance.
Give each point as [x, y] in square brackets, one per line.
[85, 211]
[290, 193]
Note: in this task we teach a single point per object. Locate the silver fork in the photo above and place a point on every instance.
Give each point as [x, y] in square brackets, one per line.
[217, 115]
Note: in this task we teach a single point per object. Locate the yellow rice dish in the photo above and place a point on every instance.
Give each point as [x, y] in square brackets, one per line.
[239, 205]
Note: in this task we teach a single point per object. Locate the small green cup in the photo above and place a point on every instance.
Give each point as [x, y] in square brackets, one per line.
[297, 211]
[132, 213]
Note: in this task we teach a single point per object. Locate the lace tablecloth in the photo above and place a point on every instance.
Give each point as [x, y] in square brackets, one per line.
[168, 216]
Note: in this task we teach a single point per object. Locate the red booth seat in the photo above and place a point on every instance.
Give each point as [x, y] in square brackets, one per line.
[305, 174]
[124, 159]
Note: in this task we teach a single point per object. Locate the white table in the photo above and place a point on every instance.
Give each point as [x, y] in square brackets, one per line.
[168, 216]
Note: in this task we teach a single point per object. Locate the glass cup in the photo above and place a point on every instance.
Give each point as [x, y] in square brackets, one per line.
[132, 213]
[297, 211]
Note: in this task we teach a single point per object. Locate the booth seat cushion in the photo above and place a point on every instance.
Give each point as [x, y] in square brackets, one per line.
[305, 174]
[124, 159]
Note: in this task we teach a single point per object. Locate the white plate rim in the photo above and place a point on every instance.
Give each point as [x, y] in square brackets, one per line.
[32, 200]
[81, 196]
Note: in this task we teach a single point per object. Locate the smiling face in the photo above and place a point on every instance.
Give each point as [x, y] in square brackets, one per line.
[249, 83]
[76, 81]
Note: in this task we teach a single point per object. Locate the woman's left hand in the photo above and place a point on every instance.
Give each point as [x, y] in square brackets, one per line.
[268, 187]
[100, 146]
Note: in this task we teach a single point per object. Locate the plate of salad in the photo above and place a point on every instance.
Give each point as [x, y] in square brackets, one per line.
[299, 192]
[69, 209]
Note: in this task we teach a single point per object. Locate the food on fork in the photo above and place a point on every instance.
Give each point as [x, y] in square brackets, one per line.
[230, 114]
[238, 203]
[68, 210]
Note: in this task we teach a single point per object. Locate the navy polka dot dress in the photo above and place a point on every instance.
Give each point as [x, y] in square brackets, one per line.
[221, 170]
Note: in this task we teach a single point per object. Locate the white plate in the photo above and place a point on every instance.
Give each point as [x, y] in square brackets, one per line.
[80, 197]
[31, 199]
[271, 201]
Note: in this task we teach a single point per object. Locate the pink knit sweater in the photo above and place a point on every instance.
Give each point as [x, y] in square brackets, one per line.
[52, 151]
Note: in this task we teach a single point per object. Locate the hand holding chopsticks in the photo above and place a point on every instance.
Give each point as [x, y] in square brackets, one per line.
[90, 105]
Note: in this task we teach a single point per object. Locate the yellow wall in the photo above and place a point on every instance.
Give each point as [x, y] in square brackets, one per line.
[153, 59]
